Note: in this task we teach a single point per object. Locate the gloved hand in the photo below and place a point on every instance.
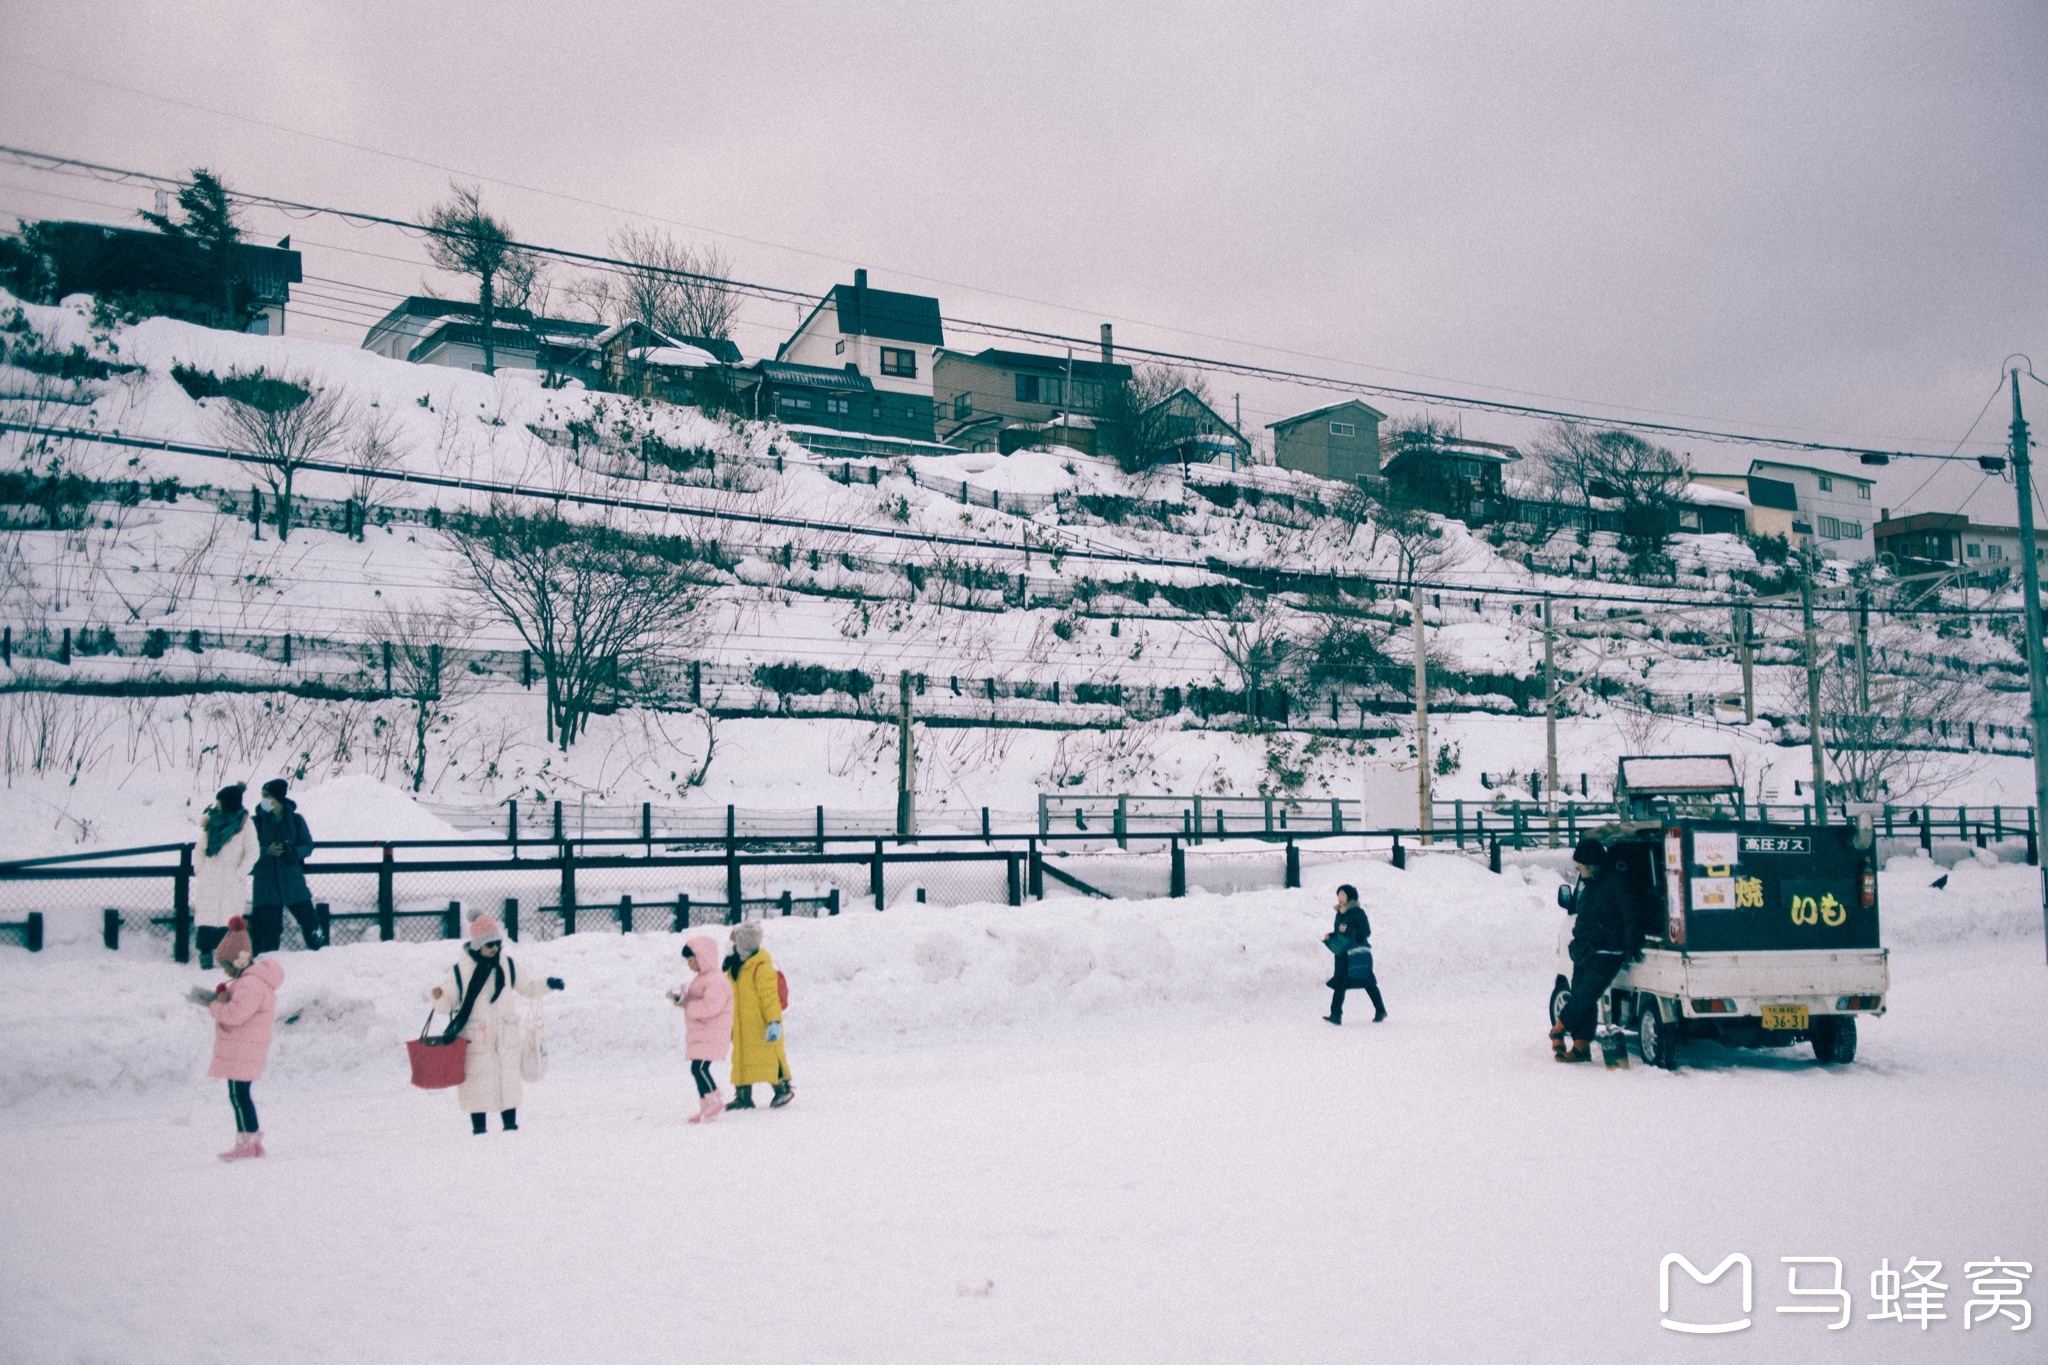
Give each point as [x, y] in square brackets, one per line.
[555, 984]
[775, 1032]
[220, 991]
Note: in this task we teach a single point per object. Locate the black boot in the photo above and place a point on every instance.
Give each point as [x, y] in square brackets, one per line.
[783, 1095]
[510, 1118]
[742, 1097]
[476, 1124]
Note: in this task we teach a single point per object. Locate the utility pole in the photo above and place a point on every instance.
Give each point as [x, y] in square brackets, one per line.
[1550, 719]
[906, 760]
[2030, 576]
[1820, 764]
[1863, 651]
[1745, 622]
[1424, 797]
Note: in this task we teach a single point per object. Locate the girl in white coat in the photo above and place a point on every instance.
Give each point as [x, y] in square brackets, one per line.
[220, 870]
[477, 995]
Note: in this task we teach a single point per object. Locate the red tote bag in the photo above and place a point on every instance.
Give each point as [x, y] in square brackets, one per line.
[436, 1065]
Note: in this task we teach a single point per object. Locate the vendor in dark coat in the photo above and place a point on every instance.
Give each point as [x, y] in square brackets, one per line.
[278, 881]
[1351, 941]
[1607, 929]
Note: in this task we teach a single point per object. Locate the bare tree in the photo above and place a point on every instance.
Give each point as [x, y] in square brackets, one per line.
[284, 424]
[465, 240]
[420, 639]
[1257, 643]
[673, 287]
[1580, 463]
[591, 601]
[1882, 749]
[376, 453]
[1138, 427]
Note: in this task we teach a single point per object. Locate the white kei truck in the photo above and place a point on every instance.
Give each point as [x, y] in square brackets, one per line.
[1763, 934]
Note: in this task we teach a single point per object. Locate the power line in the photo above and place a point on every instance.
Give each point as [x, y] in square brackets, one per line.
[996, 330]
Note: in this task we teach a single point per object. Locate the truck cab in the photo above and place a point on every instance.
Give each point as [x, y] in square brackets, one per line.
[1758, 934]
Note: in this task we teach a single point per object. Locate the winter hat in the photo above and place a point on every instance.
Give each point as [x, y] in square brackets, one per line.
[234, 952]
[275, 787]
[230, 798]
[483, 929]
[1591, 852]
[746, 938]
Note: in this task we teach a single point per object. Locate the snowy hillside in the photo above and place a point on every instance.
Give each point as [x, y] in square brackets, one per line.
[161, 638]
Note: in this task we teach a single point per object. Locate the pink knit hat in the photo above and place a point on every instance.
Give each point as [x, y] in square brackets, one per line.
[483, 929]
[234, 952]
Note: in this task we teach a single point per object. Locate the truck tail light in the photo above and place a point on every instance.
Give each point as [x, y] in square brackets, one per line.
[1674, 886]
[1869, 888]
[1713, 1007]
[1859, 1002]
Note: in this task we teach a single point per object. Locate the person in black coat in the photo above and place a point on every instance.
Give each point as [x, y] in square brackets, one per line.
[1607, 929]
[1351, 940]
[278, 881]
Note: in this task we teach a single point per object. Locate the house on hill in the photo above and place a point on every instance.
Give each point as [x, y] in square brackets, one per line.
[1805, 505]
[429, 331]
[1341, 441]
[1186, 430]
[1007, 400]
[635, 359]
[886, 339]
[1936, 538]
[157, 271]
[1454, 475]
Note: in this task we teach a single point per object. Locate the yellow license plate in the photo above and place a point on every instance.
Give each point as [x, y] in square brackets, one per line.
[1785, 1016]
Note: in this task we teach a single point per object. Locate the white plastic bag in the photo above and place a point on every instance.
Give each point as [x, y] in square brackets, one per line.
[533, 1048]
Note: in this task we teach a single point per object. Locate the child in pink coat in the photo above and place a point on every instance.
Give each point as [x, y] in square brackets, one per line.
[707, 1007]
[244, 1010]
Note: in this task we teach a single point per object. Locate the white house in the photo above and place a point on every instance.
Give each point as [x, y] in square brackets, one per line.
[890, 339]
[1834, 511]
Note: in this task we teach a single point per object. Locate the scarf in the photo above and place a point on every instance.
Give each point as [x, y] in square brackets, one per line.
[220, 827]
[496, 976]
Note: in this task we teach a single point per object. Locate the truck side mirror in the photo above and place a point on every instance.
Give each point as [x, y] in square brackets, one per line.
[1865, 835]
[1564, 897]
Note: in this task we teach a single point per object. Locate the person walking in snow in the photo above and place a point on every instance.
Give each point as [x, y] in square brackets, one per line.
[477, 995]
[220, 874]
[244, 1010]
[1607, 928]
[706, 1003]
[757, 1052]
[1351, 940]
[278, 881]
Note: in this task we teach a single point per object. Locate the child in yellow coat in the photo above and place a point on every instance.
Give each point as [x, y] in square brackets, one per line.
[757, 1053]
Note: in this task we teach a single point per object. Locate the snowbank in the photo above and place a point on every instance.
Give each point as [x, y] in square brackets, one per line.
[85, 1022]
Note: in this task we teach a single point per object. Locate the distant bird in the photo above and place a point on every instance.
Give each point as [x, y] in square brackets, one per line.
[1939, 882]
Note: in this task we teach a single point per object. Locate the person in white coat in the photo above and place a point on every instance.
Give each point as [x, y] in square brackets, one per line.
[226, 851]
[477, 995]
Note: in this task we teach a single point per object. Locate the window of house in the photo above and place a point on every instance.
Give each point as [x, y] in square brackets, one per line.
[1852, 530]
[1994, 552]
[1863, 491]
[1830, 529]
[1973, 551]
[1827, 485]
[1688, 520]
[1343, 429]
[791, 402]
[963, 406]
[1086, 395]
[1041, 388]
[838, 348]
[898, 362]
[838, 405]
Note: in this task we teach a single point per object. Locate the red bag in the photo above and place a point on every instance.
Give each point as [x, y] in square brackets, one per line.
[781, 988]
[436, 1065]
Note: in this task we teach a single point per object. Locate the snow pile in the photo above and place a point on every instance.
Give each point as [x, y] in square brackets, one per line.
[86, 1021]
[357, 806]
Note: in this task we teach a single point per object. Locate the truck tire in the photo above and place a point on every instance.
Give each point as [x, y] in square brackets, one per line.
[1560, 994]
[1834, 1039]
[1656, 1038]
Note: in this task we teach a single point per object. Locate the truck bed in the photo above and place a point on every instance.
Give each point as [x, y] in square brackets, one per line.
[1816, 978]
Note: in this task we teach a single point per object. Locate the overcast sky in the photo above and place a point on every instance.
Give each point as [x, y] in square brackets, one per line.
[1825, 221]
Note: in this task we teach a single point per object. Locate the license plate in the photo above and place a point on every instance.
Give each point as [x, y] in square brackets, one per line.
[1785, 1016]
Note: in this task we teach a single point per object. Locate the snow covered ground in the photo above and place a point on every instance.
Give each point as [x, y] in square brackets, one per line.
[1072, 1131]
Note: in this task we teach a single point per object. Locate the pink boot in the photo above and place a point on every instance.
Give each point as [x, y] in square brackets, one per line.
[714, 1105]
[246, 1146]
